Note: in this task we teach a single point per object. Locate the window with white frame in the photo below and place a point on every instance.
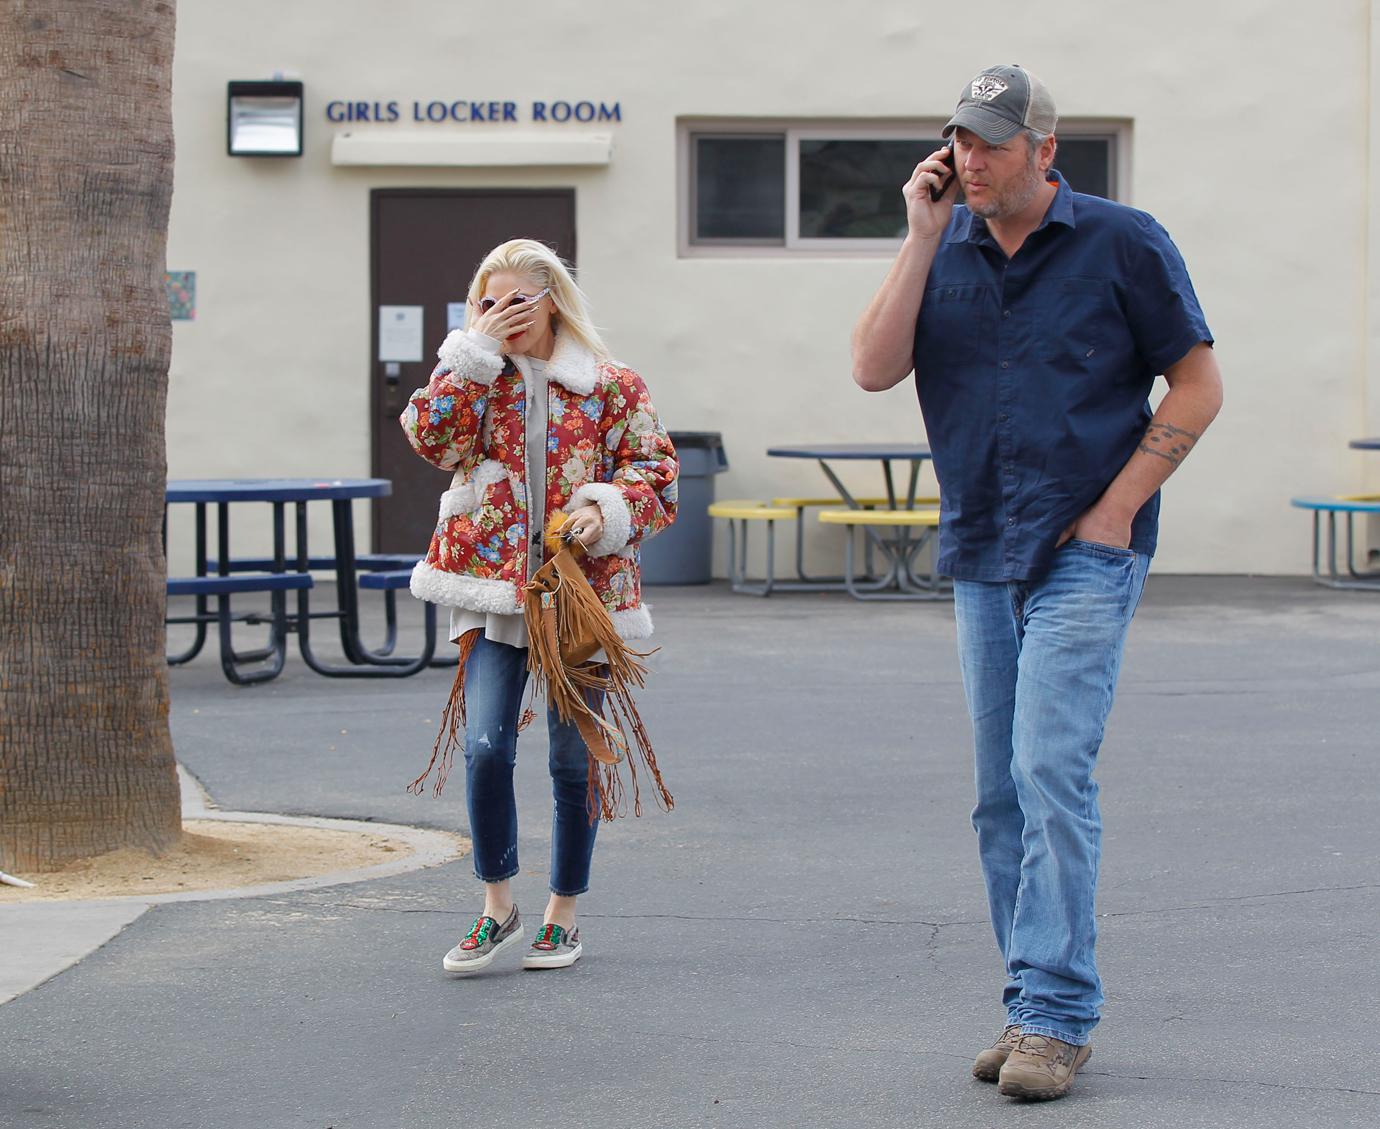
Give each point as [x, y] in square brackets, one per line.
[833, 188]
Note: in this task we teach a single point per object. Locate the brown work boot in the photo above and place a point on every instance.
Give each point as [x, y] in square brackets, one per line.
[989, 1063]
[1040, 1068]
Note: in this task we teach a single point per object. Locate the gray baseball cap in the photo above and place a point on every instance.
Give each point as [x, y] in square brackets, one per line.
[1002, 101]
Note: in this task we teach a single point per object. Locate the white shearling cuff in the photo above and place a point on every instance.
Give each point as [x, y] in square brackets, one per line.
[633, 623]
[613, 506]
[468, 359]
[456, 590]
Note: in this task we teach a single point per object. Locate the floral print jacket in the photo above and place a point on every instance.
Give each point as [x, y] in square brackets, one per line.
[604, 447]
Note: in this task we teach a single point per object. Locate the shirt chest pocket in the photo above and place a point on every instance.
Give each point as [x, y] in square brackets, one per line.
[1083, 327]
[951, 321]
[953, 301]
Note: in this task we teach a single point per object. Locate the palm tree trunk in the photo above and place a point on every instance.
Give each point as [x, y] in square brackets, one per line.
[86, 150]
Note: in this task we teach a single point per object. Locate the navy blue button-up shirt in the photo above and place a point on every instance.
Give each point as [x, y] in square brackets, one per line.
[1033, 374]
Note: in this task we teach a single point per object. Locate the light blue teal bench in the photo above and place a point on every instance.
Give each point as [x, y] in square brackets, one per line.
[1327, 569]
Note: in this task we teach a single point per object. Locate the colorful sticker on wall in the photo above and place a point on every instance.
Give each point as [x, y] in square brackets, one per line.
[182, 294]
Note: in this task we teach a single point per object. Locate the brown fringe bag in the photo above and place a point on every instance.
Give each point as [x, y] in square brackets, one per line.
[567, 625]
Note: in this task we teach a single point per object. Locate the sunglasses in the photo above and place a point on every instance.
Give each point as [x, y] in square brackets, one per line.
[487, 304]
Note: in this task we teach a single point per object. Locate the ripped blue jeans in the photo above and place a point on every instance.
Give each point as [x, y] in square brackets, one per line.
[495, 679]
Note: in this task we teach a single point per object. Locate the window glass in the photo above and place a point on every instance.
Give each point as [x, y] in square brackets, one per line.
[1086, 163]
[851, 188]
[844, 186]
[740, 188]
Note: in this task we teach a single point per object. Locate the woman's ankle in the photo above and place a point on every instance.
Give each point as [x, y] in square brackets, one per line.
[498, 901]
[560, 911]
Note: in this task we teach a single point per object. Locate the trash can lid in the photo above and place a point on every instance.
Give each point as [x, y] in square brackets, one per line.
[705, 440]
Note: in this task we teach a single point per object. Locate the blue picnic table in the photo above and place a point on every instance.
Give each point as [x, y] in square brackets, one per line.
[285, 572]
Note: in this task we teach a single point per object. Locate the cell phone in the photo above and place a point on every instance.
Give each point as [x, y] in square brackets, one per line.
[937, 191]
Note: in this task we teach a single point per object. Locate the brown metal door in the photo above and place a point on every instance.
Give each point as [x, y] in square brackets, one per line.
[426, 246]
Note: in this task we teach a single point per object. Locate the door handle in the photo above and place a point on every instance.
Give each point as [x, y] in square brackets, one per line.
[390, 395]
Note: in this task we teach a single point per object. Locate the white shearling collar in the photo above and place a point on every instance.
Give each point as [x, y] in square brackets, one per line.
[571, 365]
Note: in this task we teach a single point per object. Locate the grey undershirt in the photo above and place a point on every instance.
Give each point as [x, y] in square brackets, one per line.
[512, 628]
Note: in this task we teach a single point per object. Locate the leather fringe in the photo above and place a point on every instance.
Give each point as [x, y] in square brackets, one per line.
[566, 624]
[452, 721]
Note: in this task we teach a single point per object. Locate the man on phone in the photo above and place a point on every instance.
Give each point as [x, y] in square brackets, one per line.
[1036, 319]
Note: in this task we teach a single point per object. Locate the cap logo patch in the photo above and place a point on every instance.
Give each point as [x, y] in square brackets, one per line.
[986, 87]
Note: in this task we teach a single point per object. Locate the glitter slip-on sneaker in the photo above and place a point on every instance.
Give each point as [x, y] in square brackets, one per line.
[553, 948]
[485, 940]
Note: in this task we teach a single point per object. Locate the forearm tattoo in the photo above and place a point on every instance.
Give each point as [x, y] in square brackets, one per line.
[1168, 442]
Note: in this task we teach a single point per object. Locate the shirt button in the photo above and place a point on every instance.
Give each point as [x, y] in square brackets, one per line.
[1006, 313]
[1006, 364]
[1011, 521]
[1003, 417]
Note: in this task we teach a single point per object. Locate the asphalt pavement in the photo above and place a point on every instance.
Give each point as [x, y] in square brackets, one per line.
[803, 941]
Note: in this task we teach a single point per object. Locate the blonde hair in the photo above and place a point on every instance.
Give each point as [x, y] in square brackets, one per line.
[535, 260]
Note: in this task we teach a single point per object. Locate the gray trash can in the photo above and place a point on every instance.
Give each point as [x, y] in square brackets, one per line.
[683, 554]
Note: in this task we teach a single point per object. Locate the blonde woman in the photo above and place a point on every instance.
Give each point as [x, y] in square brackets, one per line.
[536, 421]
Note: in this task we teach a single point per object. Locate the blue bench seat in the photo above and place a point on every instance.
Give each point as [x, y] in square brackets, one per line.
[365, 562]
[1328, 569]
[234, 662]
[391, 581]
[242, 582]
[1340, 503]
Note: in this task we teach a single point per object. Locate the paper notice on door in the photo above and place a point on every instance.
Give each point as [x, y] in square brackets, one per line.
[400, 333]
[455, 315]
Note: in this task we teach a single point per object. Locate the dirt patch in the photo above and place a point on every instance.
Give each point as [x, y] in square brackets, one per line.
[214, 854]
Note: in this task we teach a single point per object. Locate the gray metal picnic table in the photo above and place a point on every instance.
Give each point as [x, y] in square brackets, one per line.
[885, 453]
[899, 551]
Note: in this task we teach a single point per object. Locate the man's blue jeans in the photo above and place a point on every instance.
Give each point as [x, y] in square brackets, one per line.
[495, 678]
[1040, 660]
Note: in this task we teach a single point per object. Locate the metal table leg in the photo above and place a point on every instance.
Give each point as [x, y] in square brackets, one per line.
[275, 653]
[202, 616]
[365, 664]
[903, 592]
[1361, 578]
[873, 537]
[1329, 573]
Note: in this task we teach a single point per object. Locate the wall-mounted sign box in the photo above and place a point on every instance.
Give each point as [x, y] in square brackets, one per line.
[263, 119]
